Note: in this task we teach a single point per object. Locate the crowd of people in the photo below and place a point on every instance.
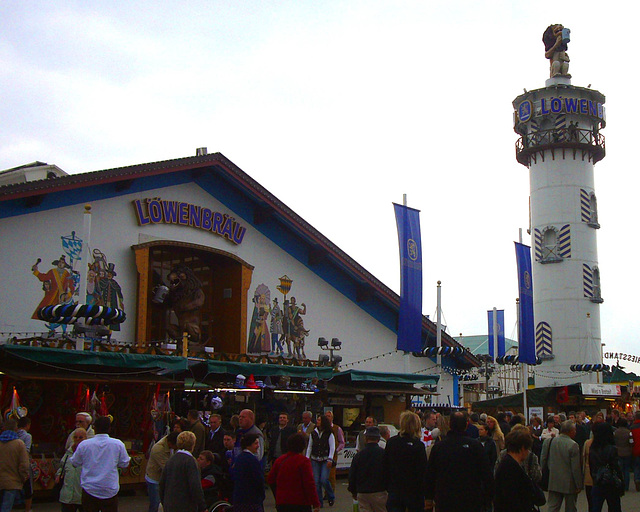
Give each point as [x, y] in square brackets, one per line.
[464, 462]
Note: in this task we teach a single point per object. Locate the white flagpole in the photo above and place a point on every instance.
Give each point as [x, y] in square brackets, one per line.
[407, 356]
[84, 264]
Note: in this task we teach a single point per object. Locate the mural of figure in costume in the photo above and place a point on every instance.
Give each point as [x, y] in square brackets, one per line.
[294, 327]
[276, 328]
[110, 291]
[46, 287]
[93, 295]
[61, 285]
[259, 339]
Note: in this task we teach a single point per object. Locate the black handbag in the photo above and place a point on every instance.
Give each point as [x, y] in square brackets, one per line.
[539, 498]
[544, 483]
[58, 486]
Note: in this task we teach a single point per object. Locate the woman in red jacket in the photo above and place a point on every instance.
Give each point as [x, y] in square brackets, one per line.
[292, 476]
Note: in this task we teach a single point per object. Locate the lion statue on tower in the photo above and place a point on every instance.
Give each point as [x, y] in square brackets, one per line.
[555, 39]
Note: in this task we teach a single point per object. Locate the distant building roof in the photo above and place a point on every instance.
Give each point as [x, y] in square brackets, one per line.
[479, 345]
[35, 171]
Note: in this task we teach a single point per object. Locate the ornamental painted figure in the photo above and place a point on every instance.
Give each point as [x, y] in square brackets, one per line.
[58, 284]
[555, 40]
[259, 339]
[109, 290]
[276, 328]
[294, 330]
[186, 299]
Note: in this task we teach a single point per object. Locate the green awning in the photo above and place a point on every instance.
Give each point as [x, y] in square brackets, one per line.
[264, 370]
[63, 357]
[536, 397]
[382, 377]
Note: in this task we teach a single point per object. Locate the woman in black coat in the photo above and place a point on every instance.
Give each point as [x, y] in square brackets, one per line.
[180, 489]
[404, 466]
[514, 490]
[603, 454]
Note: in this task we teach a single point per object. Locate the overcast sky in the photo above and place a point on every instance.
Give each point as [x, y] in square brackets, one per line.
[338, 108]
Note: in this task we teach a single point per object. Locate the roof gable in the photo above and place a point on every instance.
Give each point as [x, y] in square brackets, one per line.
[237, 190]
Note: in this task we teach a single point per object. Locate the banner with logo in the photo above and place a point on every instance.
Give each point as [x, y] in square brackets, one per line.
[500, 320]
[526, 325]
[410, 321]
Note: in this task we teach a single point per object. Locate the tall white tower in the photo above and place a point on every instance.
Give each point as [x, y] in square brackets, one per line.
[560, 143]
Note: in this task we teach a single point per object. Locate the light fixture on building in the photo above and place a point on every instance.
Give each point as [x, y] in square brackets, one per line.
[333, 360]
[293, 392]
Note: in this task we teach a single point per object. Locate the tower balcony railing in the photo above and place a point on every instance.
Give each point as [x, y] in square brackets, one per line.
[589, 143]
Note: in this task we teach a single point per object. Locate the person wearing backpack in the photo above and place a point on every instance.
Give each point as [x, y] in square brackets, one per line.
[606, 473]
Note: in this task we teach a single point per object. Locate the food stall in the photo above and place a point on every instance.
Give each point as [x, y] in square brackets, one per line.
[51, 385]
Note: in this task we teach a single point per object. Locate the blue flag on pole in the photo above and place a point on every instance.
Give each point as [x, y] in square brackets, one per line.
[410, 321]
[501, 347]
[526, 326]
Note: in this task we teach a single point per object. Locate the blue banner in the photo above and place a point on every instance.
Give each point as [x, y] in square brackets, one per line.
[526, 326]
[410, 321]
[500, 316]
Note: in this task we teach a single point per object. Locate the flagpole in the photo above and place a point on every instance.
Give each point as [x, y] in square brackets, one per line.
[439, 324]
[495, 334]
[407, 360]
[524, 369]
[84, 264]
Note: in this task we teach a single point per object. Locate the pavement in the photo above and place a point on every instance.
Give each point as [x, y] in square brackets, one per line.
[137, 501]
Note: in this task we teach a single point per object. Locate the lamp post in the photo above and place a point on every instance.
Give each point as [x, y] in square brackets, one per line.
[333, 360]
[487, 370]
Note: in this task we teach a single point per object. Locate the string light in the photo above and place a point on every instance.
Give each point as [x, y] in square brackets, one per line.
[370, 358]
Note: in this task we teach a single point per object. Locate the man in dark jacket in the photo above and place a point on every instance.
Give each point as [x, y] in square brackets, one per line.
[366, 475]
[197, 427]
[278, 437]
[458, 475]
[215, 436]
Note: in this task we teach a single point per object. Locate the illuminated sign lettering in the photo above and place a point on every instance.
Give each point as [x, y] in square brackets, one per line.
[562, 106]
[158, 211]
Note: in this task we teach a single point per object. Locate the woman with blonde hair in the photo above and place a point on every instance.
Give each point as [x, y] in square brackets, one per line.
[404, 465]
[180, 487]
[71, 492]
[496, 432]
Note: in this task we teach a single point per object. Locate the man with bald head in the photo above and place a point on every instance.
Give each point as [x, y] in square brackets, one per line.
[246, 421]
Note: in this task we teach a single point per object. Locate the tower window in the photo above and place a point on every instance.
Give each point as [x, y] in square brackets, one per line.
[597, 291]
[593, 212]
[550, 253]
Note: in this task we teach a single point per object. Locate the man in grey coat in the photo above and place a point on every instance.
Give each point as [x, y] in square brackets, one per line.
[562, 456]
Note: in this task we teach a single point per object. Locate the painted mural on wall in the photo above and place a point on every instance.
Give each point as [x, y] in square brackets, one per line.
[61, 283]
[102, 288]
[184, 296]
[272, 327]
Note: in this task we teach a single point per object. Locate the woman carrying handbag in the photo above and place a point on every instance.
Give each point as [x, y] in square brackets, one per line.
[68, 477]
[608, 482]
[514, 490]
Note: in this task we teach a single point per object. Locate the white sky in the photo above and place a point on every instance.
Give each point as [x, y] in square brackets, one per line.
[338, 108]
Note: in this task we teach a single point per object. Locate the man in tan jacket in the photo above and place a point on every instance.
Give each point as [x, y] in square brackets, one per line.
[158, 457]
[562, 456]
[14, 464]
